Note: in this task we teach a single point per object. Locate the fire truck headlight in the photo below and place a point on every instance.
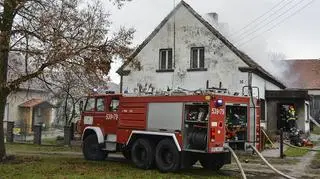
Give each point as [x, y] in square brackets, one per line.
[219, 102]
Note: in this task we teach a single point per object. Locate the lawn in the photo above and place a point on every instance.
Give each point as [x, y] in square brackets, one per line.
[29, 164]
[30, 148]
[316, 130]
[295, 152]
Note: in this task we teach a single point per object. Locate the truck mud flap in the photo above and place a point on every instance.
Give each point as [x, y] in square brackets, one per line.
[227, 157]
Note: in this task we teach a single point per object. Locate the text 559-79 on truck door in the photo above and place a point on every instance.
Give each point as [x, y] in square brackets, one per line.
[170, 132]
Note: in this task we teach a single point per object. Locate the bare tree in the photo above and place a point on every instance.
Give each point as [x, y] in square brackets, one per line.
[55, 36]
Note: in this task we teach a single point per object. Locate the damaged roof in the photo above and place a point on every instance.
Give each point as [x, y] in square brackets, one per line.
[253, 66]
[303, 74]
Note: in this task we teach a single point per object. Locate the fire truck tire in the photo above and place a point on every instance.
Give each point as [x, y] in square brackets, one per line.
[91, 149]
[142, 153]
[208, 163]
[167, 156]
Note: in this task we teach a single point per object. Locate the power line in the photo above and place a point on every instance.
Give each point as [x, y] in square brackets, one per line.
[256, 19]
[257, 28]
[295, 13]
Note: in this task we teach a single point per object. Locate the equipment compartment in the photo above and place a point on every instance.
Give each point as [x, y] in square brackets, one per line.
[236, 126]
[196, 126]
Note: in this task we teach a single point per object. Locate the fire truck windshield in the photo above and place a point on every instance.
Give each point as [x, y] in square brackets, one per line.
[90, 104]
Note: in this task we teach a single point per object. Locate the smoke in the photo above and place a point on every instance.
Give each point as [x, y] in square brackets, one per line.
[272, 61]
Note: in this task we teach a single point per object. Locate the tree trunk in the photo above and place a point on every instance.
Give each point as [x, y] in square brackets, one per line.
[3, 99]
[7, 17]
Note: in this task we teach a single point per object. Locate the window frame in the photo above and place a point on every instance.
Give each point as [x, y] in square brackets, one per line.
[200, 60]
[166, 69]
[94, 105]
[111, 104]
[104, 104]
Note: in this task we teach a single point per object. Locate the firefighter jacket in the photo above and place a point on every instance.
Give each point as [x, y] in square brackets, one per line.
[291, 115]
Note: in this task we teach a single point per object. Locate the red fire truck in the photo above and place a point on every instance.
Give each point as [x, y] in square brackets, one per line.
[169, 132]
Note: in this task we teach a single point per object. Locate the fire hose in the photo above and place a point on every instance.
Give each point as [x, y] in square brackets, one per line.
[304, 148]
[237, 161]
[269, 165]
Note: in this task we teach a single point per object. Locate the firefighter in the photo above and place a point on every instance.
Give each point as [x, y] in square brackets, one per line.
[291, 118]
[283, 123]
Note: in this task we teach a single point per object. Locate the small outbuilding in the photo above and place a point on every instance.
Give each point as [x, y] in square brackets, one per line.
[279, 101]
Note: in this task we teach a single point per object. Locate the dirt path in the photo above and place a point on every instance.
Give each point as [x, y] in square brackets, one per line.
[299, 170]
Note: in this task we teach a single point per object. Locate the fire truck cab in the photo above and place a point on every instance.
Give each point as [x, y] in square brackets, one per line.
[171, 132]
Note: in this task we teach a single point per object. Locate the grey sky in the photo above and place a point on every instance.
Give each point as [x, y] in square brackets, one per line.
[296, 37]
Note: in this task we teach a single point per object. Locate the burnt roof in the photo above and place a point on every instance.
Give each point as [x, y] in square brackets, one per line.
[303, 73]
[244, 57]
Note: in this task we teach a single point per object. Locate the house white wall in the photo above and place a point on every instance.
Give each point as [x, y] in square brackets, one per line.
[19, 97]
[303, 122]
[263, 85]
[221, 63]
[314, 92]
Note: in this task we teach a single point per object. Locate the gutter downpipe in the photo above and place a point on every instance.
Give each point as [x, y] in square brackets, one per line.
[252, 106]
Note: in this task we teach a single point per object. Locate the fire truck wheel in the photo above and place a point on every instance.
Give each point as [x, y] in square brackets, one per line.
[167, 156]
[210, 164]
[91, 149]
[142, 153]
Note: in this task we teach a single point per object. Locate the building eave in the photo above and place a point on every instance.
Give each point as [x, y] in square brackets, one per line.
[265, 76]
[287, 94]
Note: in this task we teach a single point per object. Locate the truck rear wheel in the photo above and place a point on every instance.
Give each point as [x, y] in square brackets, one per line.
[142, 153]
[91, 149]
[167, 156]
[210, 164]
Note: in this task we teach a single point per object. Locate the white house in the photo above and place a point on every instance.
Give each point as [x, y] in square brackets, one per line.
[27, 107]
[186, 51]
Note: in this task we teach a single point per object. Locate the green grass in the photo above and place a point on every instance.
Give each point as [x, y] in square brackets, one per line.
[50, 141]
[65, 167]
[30, 148]
[32, 161]
[316, 130]
[294, 152]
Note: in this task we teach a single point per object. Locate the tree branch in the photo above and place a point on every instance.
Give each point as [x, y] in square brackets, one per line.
[15, 83]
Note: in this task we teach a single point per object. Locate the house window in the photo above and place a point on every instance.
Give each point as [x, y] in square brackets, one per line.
[197, 58]
[165, 62]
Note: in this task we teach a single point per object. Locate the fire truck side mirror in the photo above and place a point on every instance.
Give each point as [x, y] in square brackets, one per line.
[81, 106]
